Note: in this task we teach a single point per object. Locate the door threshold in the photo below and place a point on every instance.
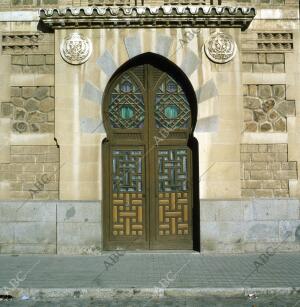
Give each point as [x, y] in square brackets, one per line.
[148, 252]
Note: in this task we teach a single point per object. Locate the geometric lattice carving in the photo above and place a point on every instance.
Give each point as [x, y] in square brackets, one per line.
[275, 41]
[173, 174]
[127, 170]
[21, 42]
[127, 214]
[172, 109]
[126, 108]
[173, 214]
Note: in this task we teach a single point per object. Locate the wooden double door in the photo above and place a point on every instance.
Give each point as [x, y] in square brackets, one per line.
[147, 163]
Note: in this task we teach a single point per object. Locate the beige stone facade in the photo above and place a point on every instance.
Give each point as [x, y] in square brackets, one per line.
[247, 124]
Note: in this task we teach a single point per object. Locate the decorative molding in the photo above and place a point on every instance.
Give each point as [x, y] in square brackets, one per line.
[220, 48]
[142, 16]
[75, 48]
[269, 42]
[20, 42]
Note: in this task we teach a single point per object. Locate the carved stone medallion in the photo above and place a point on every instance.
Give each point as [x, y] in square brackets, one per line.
[75, 48]
[220, 48]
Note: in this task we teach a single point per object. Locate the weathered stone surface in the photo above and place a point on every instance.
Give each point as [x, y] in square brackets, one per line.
[47, 105]
[247, 67]
[19, 60]
[51, 116]
[268, 104]
[259, 116]
[17, 101]
[26, 103]
[278, 68]
[260, 221]
[79, 212]
[36, 59]
[15, 91]
[248, 115]
[20, 127]
[262, 68]
[266, 170]
[20, 114]
[28, 91]
[78, 233]
[46, 128]
[272, 113]
[251, 126]
[280, 125]
[279, 91]
[41, 92]
[34, 127]
[252, 102]
[250, 58]
[31, 105]
[287, 108]
[266, 231]
[264, 91]
[252, 90]
[265, 127]
[275, 58]
[37, 117]
[6, 109]
[49, 59]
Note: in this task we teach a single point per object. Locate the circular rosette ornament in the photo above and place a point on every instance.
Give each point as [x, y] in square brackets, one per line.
[76, 48]
[220, 48]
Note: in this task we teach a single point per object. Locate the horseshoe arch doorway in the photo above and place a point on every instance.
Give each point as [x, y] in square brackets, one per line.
[150, 158]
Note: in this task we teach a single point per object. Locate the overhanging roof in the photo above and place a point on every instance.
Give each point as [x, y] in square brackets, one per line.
[179, 16]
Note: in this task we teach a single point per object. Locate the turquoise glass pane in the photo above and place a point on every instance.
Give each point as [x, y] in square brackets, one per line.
[171, 112]
[126, 112]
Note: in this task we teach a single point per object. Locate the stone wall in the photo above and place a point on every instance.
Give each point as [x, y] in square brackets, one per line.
[29, 161]
[266, 108]
[266, 171]
[263, 62]
[237, 226]
[34, 63]
[31, 109]
[32, 173]
[32, 227]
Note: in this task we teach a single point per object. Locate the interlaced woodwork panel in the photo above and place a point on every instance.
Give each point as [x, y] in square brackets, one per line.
[127, 170]
[173, 206]
[171, 106]
[173, 214]
[126, 109]
[172, 166]
[127, 214]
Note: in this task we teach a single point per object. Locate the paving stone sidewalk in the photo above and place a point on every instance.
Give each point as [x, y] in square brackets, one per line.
[177, 272]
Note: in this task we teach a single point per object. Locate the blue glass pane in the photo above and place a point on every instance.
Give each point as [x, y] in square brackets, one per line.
[171, 112]
[171, 86]
[126, 86]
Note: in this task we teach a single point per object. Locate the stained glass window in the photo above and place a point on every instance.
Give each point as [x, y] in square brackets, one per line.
[172, 166]
[127, 170]
[126, 108]
[172, 109]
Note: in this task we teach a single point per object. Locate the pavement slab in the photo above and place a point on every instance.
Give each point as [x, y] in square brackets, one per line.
[151, 274]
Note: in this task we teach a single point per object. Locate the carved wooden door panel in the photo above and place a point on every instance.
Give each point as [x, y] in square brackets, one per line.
[147, 162]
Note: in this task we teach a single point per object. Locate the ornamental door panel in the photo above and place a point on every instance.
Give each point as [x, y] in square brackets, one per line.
[147, 162]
